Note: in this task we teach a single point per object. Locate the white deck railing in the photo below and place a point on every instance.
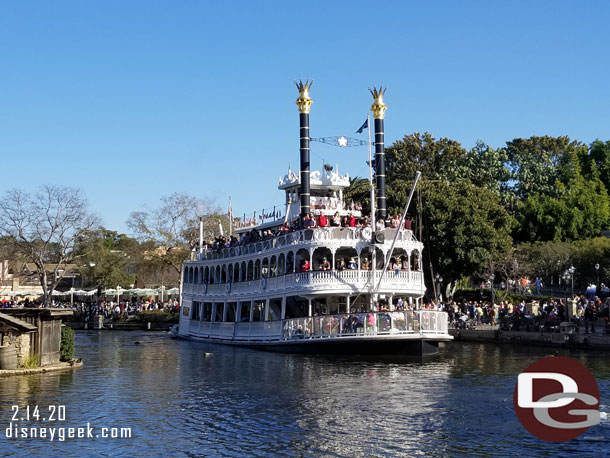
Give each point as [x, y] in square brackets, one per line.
[327, 326]
[331, 279]
[305, 236]
[366, 324]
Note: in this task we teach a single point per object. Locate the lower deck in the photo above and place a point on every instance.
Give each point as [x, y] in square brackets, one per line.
[410, 332]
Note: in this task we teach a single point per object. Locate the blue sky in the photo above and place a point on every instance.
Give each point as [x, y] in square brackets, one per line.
[133, 100]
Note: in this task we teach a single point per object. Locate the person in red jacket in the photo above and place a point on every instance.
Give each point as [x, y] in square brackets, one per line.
[352, 220]
[322, 220]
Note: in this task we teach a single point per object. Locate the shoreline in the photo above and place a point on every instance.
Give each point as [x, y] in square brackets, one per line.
[61, 366]
[595, 341]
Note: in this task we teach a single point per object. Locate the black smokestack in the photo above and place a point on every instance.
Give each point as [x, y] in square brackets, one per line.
[304, 103]
[378, 108]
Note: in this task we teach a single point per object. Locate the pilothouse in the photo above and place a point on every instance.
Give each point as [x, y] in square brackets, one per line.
[319, 278]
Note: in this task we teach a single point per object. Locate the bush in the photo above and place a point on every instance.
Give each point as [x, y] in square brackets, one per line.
[66, 348]
[158, 316]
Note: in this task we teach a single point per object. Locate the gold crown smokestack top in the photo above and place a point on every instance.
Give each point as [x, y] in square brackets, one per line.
[378, 108]
[304, 103]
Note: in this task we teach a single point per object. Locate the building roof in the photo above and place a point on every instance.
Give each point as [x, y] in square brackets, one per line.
[16, 323]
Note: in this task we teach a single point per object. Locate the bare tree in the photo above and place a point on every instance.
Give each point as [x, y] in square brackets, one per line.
[173, 228]
[44, 228]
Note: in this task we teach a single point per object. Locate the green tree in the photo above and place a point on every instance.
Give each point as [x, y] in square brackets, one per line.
[579, 210]
[535, 163]
[107, 258]
[466, 228]
[599, 154]
[435, 159]
[485, 167]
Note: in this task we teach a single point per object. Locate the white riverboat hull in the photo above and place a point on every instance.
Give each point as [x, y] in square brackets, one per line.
[406, 333]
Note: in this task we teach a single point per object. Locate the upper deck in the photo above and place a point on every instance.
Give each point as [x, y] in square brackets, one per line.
[331, 237]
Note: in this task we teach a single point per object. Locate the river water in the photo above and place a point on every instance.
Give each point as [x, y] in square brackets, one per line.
[191, 399]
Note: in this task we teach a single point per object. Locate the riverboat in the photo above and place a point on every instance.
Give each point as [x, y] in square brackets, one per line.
[321, 290]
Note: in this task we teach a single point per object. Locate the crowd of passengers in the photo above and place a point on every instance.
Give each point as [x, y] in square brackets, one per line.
[309, 222]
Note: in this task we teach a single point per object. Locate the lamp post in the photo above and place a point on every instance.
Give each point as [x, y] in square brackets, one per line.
[492, 277]
[572, 269]
[566, 277]
[597, 271]
[118, 294]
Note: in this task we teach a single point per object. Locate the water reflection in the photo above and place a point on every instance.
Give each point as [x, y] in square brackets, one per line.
[239, 402]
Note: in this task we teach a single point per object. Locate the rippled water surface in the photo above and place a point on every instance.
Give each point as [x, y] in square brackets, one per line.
[190, 399]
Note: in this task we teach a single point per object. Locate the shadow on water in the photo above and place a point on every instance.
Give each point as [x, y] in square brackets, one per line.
[191, 399]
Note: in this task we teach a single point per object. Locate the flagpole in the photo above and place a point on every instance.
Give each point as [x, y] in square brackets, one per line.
[373, 222]
[230, 218]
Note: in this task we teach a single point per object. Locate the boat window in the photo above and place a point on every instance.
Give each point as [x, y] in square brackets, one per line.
[219, 309]
[296, 307]
[275, 308]
[318, 307]
[265, 268]
[273, 267]
[231, 308]
[302, 257]
[244, 314]
[236, 275]
[415, 260]
[281, 265]
[322, 259]
[207, 312]
[250, 271]
[290, 263]
[243, 271]
[259, 311]
[257, 269]
[196, 311]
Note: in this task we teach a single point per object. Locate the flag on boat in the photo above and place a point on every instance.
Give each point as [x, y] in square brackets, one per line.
[363, 126]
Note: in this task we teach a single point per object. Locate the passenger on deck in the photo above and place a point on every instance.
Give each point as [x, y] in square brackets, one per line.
[353, 264]
[325, 265]
[309, 222]
[305, 266]
[396, 221]
[344, 222]
[341, 264]
[322, 220]
[365, 264]
[336, 221]
[352, 220]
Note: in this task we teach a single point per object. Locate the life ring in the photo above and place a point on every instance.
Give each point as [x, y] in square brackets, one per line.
[366, 233]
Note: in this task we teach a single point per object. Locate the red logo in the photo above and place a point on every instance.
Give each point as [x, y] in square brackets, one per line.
[556, 399]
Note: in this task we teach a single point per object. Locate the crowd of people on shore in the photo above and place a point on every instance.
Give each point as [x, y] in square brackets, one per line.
[123, 309]
[580, 310]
